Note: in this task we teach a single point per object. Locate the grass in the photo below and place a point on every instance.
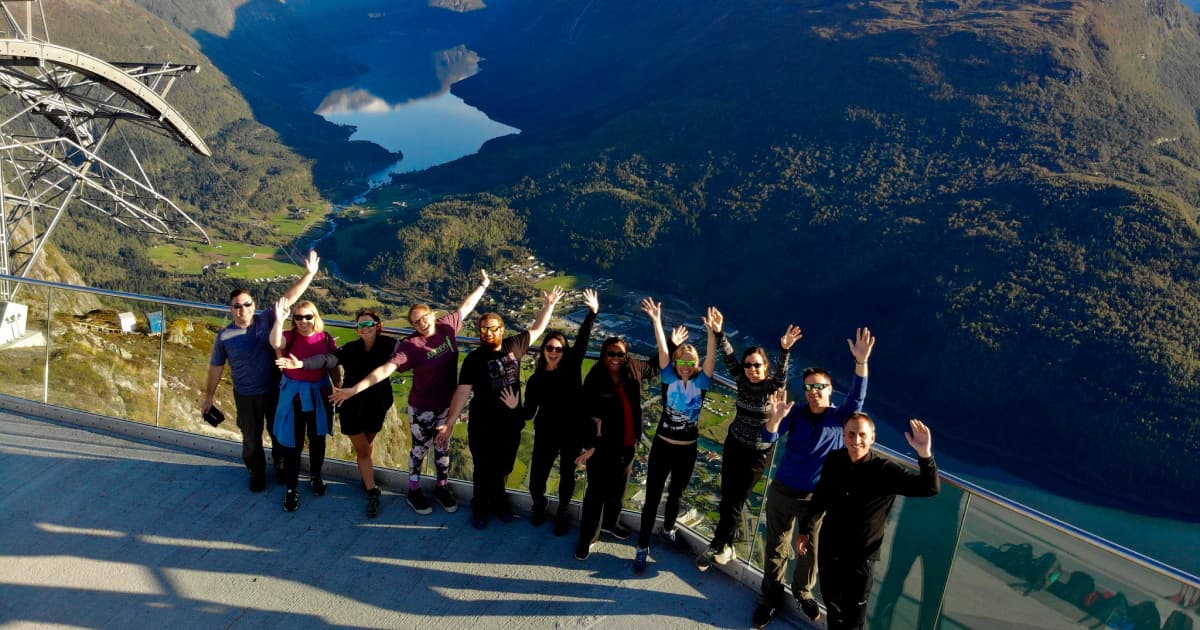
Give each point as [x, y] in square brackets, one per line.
[568, 283]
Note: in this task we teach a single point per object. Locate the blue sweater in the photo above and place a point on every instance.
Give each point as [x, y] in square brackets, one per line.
[812, 436]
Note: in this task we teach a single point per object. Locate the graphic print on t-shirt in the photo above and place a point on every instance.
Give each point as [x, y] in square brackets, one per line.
[504, 372]
[433, 353]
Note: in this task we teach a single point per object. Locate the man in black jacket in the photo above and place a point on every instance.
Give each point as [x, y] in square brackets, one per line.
[855, 494]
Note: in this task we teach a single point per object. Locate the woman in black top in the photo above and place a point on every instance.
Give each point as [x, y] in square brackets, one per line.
[361, 416]
[552, 400]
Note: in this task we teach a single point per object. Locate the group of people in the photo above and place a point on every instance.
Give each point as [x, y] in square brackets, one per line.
[828, 479]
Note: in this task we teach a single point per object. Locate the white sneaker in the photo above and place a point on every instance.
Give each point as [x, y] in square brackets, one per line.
[725, 555]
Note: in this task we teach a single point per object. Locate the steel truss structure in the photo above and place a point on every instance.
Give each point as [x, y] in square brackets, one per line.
[59, 109]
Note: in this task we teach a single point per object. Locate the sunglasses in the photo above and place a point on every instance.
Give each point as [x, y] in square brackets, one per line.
[246, 305]
[815, 387]
[750, 366]
[553, 349]
[490, 329]
[685, 363]
[369, 323]
[307, 318]
[615, 354]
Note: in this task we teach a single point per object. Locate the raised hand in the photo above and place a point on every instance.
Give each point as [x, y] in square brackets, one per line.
[920, 438]
[282, 309]
[485, 281]
[679, 335]
[290, 362]
[715, 320]
[553, 296]
[592, 299]
[509, 397]
[790, 337]
[313, 263]
[862, 345]
[780, 405]
[654, 310]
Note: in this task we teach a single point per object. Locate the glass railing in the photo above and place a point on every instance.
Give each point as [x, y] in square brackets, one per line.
[966, 558]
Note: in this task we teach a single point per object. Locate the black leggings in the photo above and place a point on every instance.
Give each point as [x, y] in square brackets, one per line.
[741, 468]
[677, 460]
[547, 447]
[305, 423]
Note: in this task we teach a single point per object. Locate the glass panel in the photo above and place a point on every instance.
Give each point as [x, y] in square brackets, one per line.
[915, 561]
[187, 340]
[1011, 571]
[23, 344]
[103, 358]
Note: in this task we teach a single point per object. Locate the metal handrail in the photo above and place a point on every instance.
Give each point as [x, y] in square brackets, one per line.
[968, 487]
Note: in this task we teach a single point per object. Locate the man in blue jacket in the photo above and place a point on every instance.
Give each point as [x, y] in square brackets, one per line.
[813, 431]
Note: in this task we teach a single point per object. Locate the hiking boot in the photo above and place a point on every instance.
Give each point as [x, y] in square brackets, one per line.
[291, 501]
[258, 482]
[418, 502]
[725, 555]
[616, 530]
[810, 608]
[764, 613]
[318, 487]
[673, 539]
[639, 560]
[582, 552]
[705, 559]
[444, 495]
[373, 502]
[538, 515]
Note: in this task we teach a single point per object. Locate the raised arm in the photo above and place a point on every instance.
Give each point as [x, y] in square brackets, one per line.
[472, 300]
[654, 312]
[716, 324]
[311, 265]
[861, 348]
[543, 319]
[584, 336]
[282, 311]
[710, 352]
[457, 404]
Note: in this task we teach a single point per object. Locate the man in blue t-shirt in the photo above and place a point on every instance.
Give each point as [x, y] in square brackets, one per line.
[814, 430]
[245, 346]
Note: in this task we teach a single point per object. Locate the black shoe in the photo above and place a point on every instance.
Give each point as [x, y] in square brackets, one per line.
[318, 487]
[582, 553]
[764, 613]
[562, 525]
[373, 502]
[617, 530]
[291, 501]
[258, 482]
[418, 502]
[811, 609]
[674, 539]
[639, 560]
[444, 495]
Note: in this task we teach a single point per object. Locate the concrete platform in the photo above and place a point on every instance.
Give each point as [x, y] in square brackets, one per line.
[103, 531]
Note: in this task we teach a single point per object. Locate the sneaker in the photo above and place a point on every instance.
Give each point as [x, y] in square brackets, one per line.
[258, 482]
[291, 501]
[562, 524]
[639, 561]
[444, 495]
[725, 555]
[616, 530]
[810, 608]
[418, 502]
[764, 613]
[479, 522]
[705, 559]
[318, 487]
[673, 539]
[582, 553]
[373, 502]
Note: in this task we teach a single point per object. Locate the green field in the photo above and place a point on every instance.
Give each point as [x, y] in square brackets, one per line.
[568, 283]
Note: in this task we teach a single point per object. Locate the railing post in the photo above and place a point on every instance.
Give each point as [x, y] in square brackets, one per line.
[162, 336]
[46, 363]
